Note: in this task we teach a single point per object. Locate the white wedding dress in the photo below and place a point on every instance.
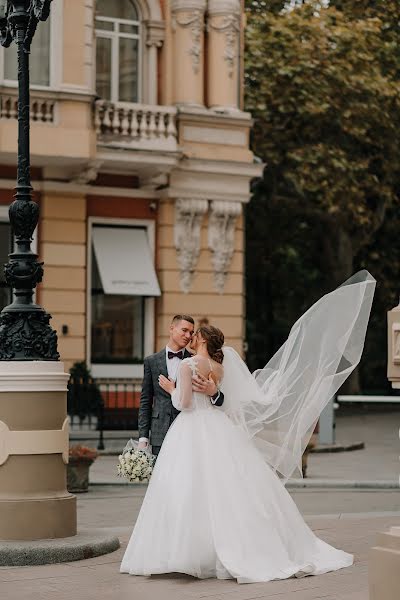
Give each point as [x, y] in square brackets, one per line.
[215, 506]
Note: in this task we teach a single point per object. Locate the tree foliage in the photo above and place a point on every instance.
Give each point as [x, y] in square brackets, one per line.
[323, 86]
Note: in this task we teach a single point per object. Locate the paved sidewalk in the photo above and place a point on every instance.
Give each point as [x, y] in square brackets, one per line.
[377, 465]
[115, 509]
[347, 518]
[379, 460]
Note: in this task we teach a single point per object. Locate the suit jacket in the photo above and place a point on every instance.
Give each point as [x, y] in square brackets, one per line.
[156, 411]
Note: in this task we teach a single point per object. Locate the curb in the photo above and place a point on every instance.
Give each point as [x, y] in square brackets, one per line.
[86, 544]
[375, 484]
[320, 449]
[342, 447]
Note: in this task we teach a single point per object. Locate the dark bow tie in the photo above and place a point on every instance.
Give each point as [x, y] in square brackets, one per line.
[175, 354]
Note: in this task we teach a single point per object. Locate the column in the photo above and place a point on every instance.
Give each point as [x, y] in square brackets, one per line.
[152, 93]
[34, 502]
[224, 18]
[188, 29]
[154, 41]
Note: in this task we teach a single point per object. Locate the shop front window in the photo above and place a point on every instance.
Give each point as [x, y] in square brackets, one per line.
[123, 278]
[117, 324]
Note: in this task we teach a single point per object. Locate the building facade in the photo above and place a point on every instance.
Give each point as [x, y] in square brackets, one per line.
[141, 166]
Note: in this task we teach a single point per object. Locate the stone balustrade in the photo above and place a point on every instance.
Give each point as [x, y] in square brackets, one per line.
[42, 109]
[138, 126]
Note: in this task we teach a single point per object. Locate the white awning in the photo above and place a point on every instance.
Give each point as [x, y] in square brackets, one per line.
[125, 261]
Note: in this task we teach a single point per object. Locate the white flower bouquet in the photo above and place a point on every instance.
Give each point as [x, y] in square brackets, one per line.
[135, 465]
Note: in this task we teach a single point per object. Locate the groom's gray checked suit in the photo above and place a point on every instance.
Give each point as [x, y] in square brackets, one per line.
[156, 411]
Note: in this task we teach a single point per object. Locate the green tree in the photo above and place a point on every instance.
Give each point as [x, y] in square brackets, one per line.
[262, 7]
[382, 255]
[322, 88]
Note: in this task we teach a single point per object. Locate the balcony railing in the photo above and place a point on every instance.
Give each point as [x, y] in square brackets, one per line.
[42, 109]
[138, 126]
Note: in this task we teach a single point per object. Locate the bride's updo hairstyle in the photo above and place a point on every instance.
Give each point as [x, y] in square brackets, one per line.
[214, 340]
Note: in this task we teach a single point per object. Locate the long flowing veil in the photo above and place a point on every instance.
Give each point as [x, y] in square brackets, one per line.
[279, 405]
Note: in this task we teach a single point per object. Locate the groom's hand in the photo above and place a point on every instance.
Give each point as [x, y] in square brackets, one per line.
[203, 385]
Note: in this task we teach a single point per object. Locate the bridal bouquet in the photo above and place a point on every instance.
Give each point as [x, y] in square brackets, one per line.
[134, 464]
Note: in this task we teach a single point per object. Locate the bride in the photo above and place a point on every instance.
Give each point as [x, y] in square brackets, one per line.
[216, 505]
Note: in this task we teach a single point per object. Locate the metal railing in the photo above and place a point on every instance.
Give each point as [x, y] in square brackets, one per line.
[121, 403]
[85, 406]
[99, 405]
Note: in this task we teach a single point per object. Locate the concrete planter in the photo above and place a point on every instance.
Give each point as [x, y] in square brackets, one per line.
[78, 474]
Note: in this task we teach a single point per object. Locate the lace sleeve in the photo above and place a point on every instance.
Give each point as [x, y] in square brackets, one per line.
[182, 395]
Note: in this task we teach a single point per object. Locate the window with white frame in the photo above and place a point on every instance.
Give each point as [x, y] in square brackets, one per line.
[117, 324]
[39, 58]
[5, 249]
[118, 50]
[122, 282]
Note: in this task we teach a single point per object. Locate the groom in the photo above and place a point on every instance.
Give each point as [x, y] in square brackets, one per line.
[156, 412]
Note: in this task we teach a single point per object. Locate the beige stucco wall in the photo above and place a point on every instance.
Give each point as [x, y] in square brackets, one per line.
[226, 310]
[77, 42]
[70, 136]
[63, 249]
[67, 150]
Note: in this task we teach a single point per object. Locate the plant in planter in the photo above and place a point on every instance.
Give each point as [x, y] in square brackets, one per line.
[80, 459]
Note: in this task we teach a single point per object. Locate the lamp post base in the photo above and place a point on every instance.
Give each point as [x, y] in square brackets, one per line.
[37, 519]
[34, 445]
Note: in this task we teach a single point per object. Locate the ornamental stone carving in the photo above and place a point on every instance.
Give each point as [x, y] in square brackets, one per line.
[189, 14]
[224, 18]
[155, 33]
[189, 214]
[88, 173]
[221, 238]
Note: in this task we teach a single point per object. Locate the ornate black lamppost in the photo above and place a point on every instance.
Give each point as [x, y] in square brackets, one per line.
[25, 332]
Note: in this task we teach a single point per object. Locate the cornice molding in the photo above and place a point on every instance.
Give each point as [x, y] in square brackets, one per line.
[155, 33]
[188, 5]
[234, 118]
[224, 7]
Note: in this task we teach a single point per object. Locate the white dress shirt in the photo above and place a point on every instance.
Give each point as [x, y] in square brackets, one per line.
[172, 364]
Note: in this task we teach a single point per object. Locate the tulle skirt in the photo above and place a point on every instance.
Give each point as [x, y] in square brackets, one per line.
[214, 508]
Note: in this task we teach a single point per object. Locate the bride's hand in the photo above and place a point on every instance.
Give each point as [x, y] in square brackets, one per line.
[166, 384]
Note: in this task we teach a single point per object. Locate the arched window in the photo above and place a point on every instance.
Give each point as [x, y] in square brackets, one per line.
[118, 50]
